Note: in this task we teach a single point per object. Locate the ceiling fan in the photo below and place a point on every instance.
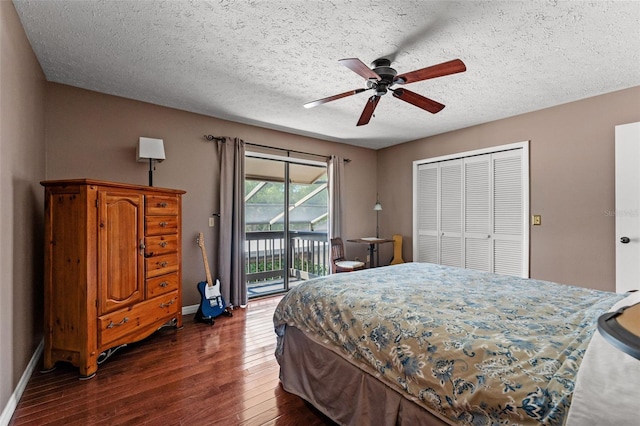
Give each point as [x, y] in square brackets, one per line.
[381, 79]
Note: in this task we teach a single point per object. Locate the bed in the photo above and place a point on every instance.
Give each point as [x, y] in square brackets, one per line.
[426, 344]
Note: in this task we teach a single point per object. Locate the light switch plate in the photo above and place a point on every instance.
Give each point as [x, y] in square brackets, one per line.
[536, 219]
[212, 222]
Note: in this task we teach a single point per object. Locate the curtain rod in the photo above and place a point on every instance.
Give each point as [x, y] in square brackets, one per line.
[221, 139]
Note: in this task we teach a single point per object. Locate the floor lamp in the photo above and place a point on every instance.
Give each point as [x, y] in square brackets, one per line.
[377, 207]
[152, 150]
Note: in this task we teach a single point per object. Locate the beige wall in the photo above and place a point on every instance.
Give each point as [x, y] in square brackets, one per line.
[22, 166]
[94, 135]
[571, 175]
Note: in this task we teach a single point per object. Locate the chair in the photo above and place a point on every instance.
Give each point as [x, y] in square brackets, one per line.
[397, 250]
[338, 262]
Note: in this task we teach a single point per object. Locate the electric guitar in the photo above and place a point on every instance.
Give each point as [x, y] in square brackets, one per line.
[212, 303]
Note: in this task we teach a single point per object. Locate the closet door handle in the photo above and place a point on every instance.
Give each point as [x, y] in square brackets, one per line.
[625, 240]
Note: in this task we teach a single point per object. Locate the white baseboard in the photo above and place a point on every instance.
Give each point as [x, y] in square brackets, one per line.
[10, 408]
[188, 310]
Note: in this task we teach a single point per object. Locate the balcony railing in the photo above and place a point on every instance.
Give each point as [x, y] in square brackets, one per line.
[265, 253]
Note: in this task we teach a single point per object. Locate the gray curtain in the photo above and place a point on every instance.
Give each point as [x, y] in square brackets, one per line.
[231, 247]
[335, 167]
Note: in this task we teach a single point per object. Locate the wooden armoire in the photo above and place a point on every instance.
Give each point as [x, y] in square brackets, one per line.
[112, 268]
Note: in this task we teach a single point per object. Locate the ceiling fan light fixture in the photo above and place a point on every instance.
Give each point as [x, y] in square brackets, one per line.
[381, 89]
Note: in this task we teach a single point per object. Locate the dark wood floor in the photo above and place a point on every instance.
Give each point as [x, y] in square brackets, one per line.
[201, 375]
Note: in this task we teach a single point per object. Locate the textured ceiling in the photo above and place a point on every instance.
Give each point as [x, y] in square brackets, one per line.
[259, 61]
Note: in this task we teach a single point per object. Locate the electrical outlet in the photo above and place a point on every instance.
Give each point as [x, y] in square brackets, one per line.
[536, 219]
[212, 222]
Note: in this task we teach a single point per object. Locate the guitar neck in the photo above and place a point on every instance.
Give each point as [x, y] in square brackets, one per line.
[205, 260]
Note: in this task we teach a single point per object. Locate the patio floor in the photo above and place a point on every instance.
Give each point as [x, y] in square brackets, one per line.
[264, 288]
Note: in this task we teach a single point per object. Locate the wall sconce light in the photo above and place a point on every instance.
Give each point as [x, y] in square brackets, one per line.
[377, 207]
[152, 150]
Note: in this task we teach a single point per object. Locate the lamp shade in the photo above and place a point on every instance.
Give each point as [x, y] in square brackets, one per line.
[377, 206]
[150, 149]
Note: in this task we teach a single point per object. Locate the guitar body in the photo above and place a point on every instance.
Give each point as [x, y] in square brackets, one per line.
[210, 308]
[212, 303]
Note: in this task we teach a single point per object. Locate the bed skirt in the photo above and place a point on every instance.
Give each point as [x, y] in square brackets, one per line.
[342, 391]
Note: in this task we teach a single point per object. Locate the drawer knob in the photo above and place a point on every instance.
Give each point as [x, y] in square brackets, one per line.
[164, 305]
[164, 283]
[164, 224]
[163, 205]
[163, 244]
[112, 324]
[163, 264]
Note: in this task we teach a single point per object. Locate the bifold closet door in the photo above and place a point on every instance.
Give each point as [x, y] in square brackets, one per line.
[439, 213]
[470, 212]
[478, 213]
[426, 213]
[508, 213]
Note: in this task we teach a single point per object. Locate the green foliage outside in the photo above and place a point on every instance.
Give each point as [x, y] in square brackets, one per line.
[273, 193]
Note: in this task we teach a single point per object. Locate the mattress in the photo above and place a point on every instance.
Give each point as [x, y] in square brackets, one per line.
[463, 346]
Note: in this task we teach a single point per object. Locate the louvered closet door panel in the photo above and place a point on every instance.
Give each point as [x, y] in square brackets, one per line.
[451, 251]
[451, 189]
[507, 257]
[477, 212]
[427, 249]
[427, 213]
[508, 213]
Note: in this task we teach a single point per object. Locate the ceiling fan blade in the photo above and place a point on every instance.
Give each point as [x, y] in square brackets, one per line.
[434, 21]
[418, 100]
[359, 67]
[445, 68]
[333, 98]
[372, 102]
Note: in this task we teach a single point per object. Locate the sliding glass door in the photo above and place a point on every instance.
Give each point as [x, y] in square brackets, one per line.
[286, 212]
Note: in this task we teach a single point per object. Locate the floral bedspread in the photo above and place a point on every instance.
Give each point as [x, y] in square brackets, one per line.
[475, 347]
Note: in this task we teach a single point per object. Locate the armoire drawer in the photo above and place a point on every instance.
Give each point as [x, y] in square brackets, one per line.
[160, 265]
[161, 285]
[161, 205]
[161, 244]
[160, 225]
[134, 322]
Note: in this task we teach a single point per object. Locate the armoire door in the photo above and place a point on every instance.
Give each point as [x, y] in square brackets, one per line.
[120, 250]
